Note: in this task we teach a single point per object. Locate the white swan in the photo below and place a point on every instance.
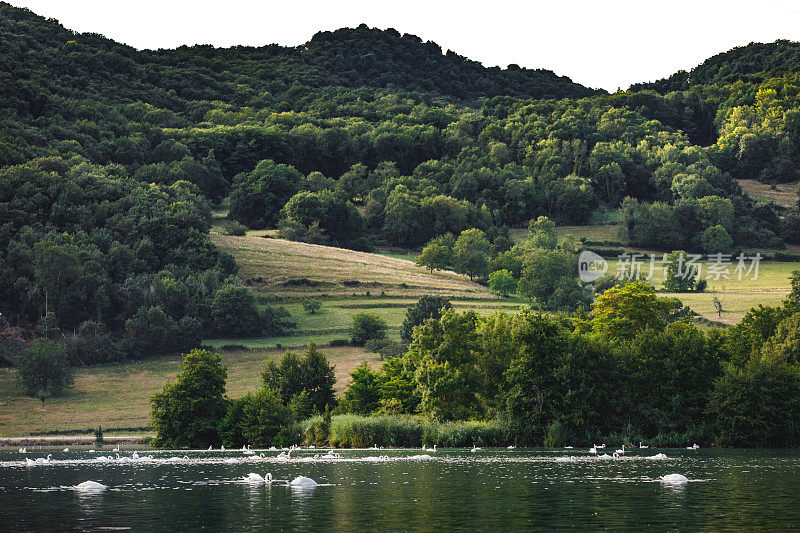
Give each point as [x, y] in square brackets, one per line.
[302, 482]
[135, 455]
[567, 447]
[66, 449]
[475, 449]
[674, 479]
[176, 459]
[23, 450]
[601, 446]
[642, 445]
[593, 449]
[210, 448]
[692, 447]
[90, 486]
[231, 461]
[222, 448]
[604, 456]
[511, 447]
[615, 455]
[621, 451]
[422, 457]
[333, 455]
[116, 449]
[252, 477]
[658, 457]
[38, 461]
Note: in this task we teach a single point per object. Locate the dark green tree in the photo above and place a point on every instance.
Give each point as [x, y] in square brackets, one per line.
[367, 326]
[43, 369]
[426, 307]
[187, 413]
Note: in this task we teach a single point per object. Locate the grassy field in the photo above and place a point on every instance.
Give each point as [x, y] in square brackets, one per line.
[279, 269]
[117, 396]
[784, 194]
[737, 296]
[604, 233]
[334, 318]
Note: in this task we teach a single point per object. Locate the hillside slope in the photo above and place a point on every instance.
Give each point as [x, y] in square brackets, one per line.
[278, 268]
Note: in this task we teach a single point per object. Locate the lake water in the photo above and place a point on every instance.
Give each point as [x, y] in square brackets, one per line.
[450, 490]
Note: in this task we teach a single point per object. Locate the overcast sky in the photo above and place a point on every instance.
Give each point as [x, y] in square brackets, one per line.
[600, 44]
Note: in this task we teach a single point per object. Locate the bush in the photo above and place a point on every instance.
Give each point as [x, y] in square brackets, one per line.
[259, 420]
[376, 345]
[44, 370]
[367, 326]
[338, 342]
[311, 305]
[232, 228]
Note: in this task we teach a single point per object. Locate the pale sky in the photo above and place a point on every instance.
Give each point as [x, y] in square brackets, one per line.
[599, 44]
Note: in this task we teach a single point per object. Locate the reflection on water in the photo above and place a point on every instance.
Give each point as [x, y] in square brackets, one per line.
[401, 489]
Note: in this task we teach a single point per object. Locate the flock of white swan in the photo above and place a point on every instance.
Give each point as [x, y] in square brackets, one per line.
[302, 482]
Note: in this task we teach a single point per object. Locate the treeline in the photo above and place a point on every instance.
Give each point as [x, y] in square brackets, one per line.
[628, 371]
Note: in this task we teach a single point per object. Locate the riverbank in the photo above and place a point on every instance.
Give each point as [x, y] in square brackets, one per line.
[59, 440]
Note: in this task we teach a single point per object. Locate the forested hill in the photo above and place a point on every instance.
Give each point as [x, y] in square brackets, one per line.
[372, 57]
[753, 63]
[41, 53]
[111, 157]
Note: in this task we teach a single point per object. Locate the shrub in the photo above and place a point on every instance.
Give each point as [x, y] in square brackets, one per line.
[376, 345]
[367, 326]
[44, 370]
[338, 342]
[258, 419]
[232, 228]
[311, 305]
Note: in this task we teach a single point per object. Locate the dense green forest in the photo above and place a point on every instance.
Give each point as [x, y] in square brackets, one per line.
[111, 159]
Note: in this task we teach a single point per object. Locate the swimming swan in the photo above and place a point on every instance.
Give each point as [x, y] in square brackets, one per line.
[642, 445]
[622, 451]
[302, 482]
[674, 479]
[38, 461]
[475, 449]
[658, 457]
[90, 486]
